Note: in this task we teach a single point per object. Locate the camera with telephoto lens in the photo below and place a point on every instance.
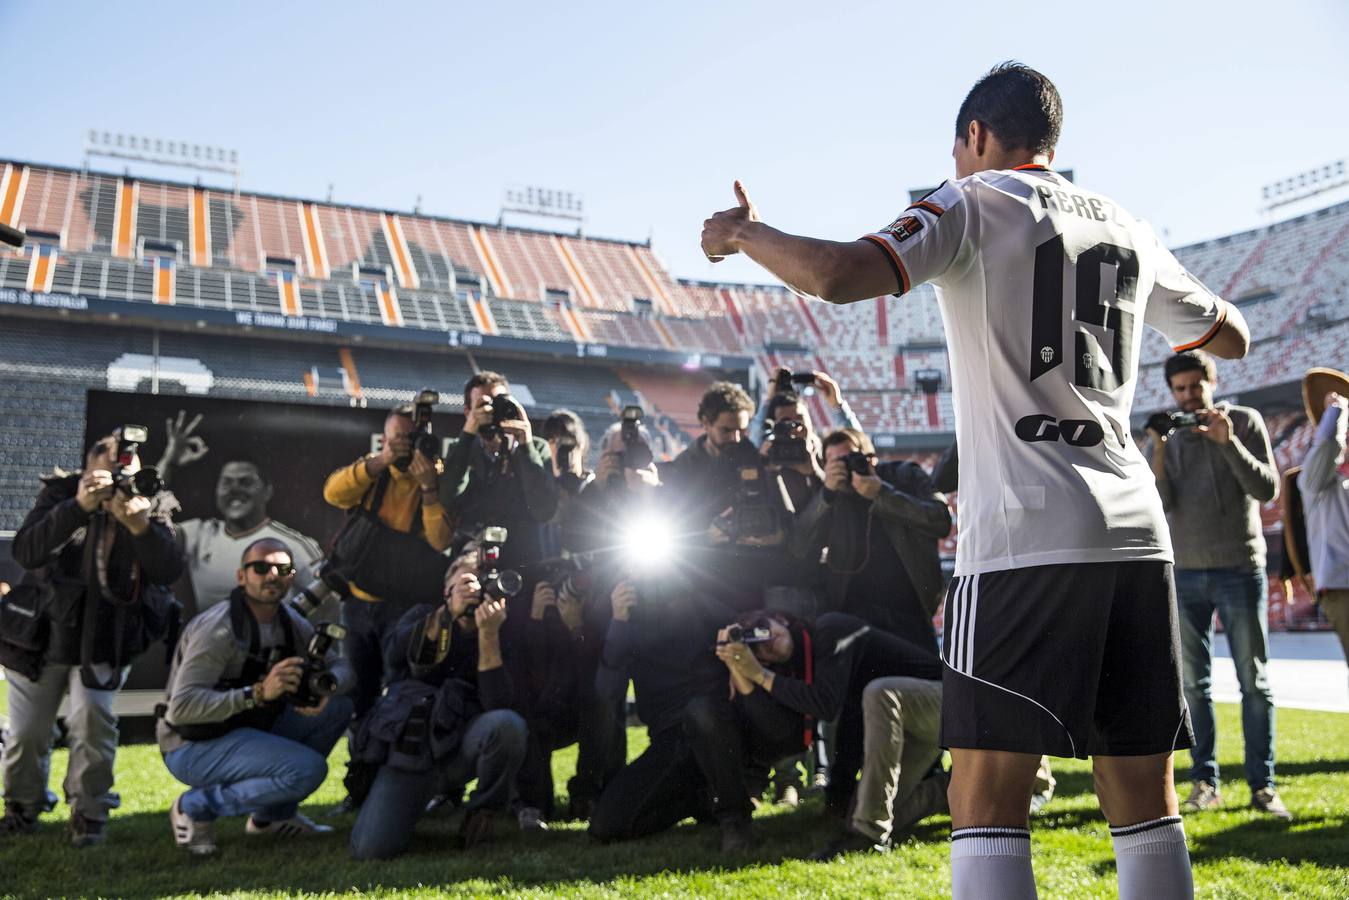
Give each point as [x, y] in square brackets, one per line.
[497, 583]
[327, 584]
[1166, 422]
[636, 452]
[317, 679]
[787, 442]
[423, 440]
[857, 463]
[570, 575]
[142, 483]
[505, 408]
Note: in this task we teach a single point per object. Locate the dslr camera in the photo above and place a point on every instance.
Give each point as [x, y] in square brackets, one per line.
[636, 451]
[754, 508]
[787, 380]
[327, 583]
[143, 483]
[858, 463]
[505, 408]
[1166, 422]
[497, 583]
[787, 442]
[423, 441]
[317, 679]
[757, 632]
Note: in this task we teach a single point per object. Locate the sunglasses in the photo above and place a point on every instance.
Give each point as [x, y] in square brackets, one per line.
[262, 568]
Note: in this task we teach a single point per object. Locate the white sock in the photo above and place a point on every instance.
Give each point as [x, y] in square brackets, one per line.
[1153, 861]
[991, 862]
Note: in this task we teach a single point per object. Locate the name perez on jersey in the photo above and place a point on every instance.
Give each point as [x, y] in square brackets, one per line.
[1093, 208]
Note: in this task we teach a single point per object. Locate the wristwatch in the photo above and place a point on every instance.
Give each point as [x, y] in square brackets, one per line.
[250, 702]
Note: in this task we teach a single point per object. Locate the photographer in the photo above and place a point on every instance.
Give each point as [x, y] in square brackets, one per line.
[785, 382]
[794, 673]
[497, 472]
[445, 712]
[569, 445]
[397, 528]
[723, 492]
[252, 736]
[1213, 467]
[661, 636]
[879, 526]
[1325, 494]
[99, 553]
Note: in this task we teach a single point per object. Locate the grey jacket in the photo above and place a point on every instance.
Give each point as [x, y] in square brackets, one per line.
[209, 653]
[1212, 493]
[915, 516]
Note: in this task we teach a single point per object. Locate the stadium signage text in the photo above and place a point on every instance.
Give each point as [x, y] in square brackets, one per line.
[11, 297]
[289, 323]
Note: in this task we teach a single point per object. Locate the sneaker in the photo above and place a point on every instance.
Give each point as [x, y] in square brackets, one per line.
[789, 796]
[1202, 796]
[17, 822]
[851, 842]
[86, 832]
[198, 838]
[530, 819]
[1039, 800]
[477, 827]
[298, 825]
[1267, 800]
[737, 836]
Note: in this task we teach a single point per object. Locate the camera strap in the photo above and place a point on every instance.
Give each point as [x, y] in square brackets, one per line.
[98, 546]
[809, 736]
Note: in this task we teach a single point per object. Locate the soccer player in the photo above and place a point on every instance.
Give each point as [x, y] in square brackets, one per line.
[1061, 628]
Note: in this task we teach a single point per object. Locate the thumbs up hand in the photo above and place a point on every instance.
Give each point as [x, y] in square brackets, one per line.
[722, 232]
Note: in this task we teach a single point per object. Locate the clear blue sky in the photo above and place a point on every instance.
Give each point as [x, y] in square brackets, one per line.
[829, 112]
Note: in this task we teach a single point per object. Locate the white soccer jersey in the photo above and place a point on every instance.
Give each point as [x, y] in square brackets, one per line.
[213, 555]
[1042, 285]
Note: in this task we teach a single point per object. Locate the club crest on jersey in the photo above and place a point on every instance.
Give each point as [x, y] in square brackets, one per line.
[905, 227]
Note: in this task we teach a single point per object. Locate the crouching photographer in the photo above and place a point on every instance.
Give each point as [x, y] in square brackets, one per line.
[253, 708]
[100, 556]
[444, 719]
[884, 690]
[878, 526]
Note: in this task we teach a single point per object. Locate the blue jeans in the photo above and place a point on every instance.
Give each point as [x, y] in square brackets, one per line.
[1239, 598]
[263, 773]
[492, 750]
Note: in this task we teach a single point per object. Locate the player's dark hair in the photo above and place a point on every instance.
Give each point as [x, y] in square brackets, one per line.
[241, 460]
[723, 397]
[485, 380]
[1191, 361]
[1018, 104]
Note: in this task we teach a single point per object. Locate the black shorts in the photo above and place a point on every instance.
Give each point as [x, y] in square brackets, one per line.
[1067, 660]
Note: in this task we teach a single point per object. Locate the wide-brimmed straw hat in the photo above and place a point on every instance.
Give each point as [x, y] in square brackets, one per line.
[1316, 384]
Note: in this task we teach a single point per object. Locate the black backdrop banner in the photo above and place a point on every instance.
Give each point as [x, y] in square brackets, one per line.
[294, 447]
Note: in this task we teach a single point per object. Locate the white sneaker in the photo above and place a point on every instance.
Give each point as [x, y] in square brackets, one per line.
[198, 838]
[530, 819]
[298, 825]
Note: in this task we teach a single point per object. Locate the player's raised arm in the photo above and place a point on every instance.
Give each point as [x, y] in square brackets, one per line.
[1233, 339]
[836, 271]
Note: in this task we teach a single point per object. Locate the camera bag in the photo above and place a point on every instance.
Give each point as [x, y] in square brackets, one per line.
[382, 561]
[24, 627]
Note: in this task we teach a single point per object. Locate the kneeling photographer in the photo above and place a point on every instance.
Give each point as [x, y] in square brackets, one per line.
[99, 552]
[253, 707]
[789, 673]
[878, 526]
[445, 718]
